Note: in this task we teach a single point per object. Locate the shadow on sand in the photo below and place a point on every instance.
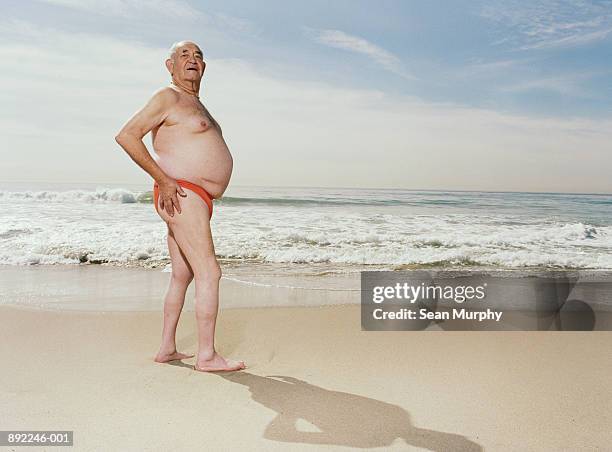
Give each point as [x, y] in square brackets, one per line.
[342, 419]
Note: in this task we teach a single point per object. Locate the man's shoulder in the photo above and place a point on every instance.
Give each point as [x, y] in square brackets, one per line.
[165, 95]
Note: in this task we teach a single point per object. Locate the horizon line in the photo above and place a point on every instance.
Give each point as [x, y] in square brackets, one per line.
[455, 190]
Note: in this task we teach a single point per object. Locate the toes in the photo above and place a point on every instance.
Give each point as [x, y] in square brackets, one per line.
[238, 365]
[230, 365]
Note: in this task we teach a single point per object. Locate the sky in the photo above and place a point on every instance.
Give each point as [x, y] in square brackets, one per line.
[448, 95]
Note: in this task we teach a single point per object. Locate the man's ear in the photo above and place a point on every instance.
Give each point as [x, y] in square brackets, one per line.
[169, 65]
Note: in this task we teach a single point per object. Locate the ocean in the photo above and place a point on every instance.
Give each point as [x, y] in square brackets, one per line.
[334, 230]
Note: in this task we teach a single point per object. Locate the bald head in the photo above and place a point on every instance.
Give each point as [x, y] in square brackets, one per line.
[178, 45]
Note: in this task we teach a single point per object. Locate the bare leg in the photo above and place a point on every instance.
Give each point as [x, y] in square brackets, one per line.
[191, 229]
[182, 275]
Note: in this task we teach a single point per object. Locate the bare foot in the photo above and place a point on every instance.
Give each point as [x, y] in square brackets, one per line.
[218, 363]
[163, 357]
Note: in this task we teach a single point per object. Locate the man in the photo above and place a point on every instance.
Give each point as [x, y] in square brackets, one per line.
[192, 161]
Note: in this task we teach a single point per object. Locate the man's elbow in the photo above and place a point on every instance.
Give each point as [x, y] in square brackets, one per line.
[121, 138]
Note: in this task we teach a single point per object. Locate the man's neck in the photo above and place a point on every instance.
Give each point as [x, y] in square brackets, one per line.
[192, 88]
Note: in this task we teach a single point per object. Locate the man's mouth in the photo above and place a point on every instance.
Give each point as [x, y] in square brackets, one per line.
[192, 69]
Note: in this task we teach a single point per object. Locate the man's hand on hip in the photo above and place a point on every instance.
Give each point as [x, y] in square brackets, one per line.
[168, 201]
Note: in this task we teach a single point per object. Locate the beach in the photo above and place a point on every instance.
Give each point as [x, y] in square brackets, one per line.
[314, 380]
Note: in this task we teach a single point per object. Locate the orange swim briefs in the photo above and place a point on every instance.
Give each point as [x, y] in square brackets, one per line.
[191, 186]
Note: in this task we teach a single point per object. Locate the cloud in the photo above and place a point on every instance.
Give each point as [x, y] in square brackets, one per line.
[236, 24]
[566, 85]
[70, 94]
[340, 40]
[478, 67]
[130, 8]
[160, 11]
[572, 40]
[543, 24]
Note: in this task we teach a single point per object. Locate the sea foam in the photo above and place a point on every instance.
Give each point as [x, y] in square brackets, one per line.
[393, 227]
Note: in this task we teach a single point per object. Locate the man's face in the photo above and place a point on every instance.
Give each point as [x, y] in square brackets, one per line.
[187, 63]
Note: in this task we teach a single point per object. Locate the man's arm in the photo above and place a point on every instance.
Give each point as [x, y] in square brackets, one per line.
[130, 139]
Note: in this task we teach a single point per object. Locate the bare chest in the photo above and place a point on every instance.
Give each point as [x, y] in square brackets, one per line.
[191, 117]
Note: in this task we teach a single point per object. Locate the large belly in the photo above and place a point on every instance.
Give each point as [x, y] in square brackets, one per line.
[203, 159]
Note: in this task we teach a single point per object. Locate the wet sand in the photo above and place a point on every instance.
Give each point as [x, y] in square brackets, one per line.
[315, 381]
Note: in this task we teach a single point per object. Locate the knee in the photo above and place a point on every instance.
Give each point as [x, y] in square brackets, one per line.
[213, 270]
[210, 271]
[182, 278]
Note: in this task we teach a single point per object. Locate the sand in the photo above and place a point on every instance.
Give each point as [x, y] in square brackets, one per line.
[315, 381]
